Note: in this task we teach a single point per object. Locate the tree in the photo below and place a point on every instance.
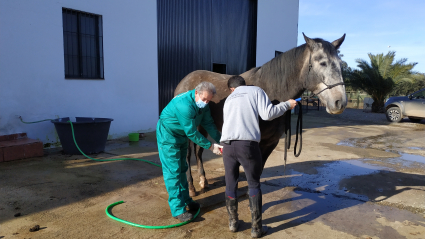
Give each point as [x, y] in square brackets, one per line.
[379, 77]
[346, 73]
[408, 87]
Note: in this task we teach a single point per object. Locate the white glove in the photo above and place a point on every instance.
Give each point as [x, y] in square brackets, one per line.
[215, 148]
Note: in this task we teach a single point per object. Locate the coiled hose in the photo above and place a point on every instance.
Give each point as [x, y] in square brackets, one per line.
[109, 208]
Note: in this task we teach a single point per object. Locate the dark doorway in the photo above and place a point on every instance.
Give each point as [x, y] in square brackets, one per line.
[276, 53]
[219, 68]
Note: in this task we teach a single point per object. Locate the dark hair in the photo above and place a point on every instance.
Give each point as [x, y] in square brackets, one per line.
[235, 81]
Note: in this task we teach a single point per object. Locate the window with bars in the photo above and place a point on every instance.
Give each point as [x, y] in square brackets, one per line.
[83, 44]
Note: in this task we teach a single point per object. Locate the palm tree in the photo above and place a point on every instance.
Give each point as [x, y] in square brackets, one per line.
[408, 87]
[379, 77]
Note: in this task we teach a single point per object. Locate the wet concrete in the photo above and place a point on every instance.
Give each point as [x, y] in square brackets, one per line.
[353, 180]
[412, 158]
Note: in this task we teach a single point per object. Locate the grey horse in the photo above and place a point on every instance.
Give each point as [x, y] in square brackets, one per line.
[313, 66]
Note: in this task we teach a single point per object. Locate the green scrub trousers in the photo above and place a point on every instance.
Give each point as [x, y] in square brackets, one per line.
[178, 122]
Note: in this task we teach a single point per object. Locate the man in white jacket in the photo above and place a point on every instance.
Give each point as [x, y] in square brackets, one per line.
[240, 138]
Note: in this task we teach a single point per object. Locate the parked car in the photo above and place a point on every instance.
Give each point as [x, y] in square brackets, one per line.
[412, 106]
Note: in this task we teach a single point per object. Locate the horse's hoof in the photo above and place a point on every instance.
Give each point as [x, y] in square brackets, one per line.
[203, 182]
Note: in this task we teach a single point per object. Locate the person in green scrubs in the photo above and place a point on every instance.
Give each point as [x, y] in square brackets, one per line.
[177, 123]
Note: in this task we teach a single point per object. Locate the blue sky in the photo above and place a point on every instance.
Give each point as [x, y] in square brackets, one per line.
[371, 26]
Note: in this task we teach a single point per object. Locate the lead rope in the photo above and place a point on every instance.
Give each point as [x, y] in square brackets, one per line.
[299, 120]
[299, 127]
[299, 130]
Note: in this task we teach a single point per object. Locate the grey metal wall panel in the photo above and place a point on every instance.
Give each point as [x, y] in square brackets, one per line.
[193, 34]
[234, 34]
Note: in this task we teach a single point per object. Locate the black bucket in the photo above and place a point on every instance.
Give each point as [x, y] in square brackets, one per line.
[90, 133]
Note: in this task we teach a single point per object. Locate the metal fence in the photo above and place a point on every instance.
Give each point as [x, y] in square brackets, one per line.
[355, 100]
[358, 100]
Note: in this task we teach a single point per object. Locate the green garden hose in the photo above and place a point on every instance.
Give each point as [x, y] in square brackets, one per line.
[116, 203]
[144, 226]
[20, 117]
[73, 136]
[109, 208]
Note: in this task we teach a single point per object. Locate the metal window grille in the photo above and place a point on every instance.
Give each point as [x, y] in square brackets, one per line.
[83, 44]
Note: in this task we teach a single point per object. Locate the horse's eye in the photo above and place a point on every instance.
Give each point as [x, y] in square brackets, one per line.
[323, 64]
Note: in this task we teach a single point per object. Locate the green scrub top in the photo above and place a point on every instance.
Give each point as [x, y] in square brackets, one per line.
[180, 119]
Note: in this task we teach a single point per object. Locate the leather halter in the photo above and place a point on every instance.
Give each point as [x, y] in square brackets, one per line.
[299, 127]
[328, 87]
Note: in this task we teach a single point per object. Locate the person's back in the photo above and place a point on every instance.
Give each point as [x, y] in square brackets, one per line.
[240, 138]
[242, 109]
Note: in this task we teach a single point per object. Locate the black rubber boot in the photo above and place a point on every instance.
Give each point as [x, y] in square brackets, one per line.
[186, 216]
[232, 210]
[193, 206]
[256, 206]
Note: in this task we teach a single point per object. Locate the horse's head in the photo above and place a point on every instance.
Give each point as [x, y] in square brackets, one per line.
[324, 77]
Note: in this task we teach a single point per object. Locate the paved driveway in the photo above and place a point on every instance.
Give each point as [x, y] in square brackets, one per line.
[355, 178]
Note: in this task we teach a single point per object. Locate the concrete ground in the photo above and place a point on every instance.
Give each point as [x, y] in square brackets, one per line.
[354, 179]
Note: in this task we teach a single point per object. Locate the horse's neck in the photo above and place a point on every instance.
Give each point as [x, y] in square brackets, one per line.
[283, 82]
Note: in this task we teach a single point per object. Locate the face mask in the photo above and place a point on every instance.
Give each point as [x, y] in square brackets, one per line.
[201, 104]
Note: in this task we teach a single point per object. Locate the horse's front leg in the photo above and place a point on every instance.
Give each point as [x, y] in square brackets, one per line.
[192, 191]
[198, 153]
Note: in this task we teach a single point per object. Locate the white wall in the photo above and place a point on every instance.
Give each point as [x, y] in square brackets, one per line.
[277, 28]
[32, 78]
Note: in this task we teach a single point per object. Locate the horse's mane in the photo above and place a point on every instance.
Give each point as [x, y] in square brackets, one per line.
[327, 46]
[284, 64]
[279, 72]
[283, 71]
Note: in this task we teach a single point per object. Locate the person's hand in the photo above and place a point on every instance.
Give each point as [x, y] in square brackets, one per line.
[215, 148]
[293, 103]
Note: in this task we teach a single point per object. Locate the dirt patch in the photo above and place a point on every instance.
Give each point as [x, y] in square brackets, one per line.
[354, 179]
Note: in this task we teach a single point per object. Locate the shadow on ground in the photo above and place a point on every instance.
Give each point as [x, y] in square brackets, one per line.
[334, 186]
[39, 184]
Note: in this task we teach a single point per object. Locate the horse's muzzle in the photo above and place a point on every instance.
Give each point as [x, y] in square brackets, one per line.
[337, 108]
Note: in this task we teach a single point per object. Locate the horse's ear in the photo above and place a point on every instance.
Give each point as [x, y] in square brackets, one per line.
[310, 42]
[337, 43]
